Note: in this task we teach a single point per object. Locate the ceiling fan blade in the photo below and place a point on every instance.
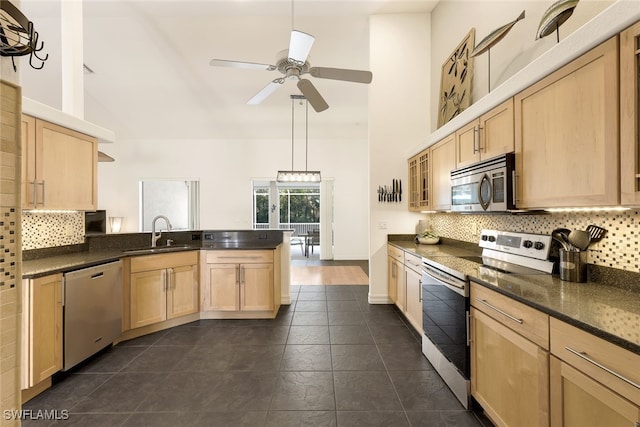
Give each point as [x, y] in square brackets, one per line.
[265, 92]
[357, 76]
[300, 46]
[238, 64]
[313, 96]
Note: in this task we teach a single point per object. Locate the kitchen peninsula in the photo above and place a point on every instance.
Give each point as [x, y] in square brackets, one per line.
[187, 276]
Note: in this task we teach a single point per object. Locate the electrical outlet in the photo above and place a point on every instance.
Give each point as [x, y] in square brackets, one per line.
[68, 230]
[474, 229]
[382, 225]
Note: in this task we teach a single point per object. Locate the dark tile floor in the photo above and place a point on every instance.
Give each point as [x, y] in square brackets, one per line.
[329, 359]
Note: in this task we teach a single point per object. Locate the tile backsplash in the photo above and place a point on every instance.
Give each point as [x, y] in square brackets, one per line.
[619, 249]
[48, 229]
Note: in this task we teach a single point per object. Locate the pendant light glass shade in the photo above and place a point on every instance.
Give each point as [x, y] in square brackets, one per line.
[298, 176]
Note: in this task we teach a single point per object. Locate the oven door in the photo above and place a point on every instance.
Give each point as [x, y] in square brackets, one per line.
[445, 307]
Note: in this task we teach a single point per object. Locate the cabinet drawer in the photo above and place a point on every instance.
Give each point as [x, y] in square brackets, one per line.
[528, 322]
[240, 256]
[414, 262]
[607, 363]
[160, 261]
[396, 253]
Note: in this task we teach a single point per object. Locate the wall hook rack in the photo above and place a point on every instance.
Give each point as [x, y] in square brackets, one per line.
[18, 37]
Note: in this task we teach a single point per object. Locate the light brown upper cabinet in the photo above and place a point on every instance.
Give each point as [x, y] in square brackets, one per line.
[413, 180]
[443, 161]
[419, 186]
[59, 167]
[629, 116]
[486, 137]
[566, 138]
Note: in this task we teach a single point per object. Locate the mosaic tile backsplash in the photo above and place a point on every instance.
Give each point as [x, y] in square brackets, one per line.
[48, 229]
[620, 248]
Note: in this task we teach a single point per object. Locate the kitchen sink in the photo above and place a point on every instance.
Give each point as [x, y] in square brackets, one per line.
[158, 249]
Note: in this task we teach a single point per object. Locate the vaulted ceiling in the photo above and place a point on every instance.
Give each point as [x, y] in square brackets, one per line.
[152, 77]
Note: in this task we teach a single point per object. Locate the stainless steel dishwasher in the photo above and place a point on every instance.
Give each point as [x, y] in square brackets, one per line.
[92, 311]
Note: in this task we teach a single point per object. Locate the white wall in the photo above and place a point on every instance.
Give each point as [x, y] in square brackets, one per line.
[452, 20]
[225, 170]
[398, 118]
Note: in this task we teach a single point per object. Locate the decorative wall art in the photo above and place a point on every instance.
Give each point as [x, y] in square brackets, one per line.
[456, 80]
[493, 38]
[555, 16]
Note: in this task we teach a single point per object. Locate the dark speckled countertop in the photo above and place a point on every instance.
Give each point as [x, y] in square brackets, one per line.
[101, 249]
[610, 312]
[75, 261]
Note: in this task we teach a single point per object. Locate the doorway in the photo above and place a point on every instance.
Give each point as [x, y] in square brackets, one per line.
[302, 207]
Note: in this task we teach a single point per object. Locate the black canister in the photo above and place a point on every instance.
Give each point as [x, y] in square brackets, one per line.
[573, 265]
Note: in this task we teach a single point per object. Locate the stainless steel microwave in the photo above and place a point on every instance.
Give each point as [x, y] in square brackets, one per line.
[486, 186]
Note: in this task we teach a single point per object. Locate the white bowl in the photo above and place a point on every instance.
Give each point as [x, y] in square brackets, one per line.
[428, 240]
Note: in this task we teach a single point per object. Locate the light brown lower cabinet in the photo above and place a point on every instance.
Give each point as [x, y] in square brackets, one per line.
[593, 382]
[163, 287]
[404, 284]
[41, 329]
[240, 282]
[395, 275]
[413, 289]
[394, 279]
[509, 373]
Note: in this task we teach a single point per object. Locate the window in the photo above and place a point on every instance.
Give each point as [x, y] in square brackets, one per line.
[261, 207]
[177, 200]
[299, 205]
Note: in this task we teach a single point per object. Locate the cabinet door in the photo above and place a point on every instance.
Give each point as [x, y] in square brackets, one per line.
[46, 327]
[393, 275]
[577, 400]
[567, 134]
[443, 161]
[182, 295]
[29, 162]
[424, 184]
[414, 181]
[467, 144]
[414, 299]
[496, 131]
[256, 287]
[630, 116]
[148, 297]
[509, 374]
[66, 168]
[223, 292]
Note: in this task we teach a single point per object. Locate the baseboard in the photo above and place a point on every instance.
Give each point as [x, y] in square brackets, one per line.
[379, 299]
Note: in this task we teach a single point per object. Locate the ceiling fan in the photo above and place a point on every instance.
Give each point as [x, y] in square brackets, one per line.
[293, 64]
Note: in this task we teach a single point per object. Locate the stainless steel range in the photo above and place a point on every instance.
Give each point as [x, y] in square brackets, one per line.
[445, 298]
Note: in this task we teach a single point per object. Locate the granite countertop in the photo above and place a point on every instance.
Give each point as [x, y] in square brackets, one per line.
[609, 312]
[74, 261]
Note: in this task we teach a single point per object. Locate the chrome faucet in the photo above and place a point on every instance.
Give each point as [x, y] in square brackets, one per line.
[155, 236]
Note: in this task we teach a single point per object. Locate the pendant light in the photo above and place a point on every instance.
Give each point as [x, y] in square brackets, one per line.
[305, 175]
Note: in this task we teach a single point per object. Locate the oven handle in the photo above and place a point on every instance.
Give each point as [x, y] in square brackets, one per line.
[444, 281]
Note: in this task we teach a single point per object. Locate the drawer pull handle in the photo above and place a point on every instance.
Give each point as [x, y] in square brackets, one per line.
[515, 319]
[585, 356]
